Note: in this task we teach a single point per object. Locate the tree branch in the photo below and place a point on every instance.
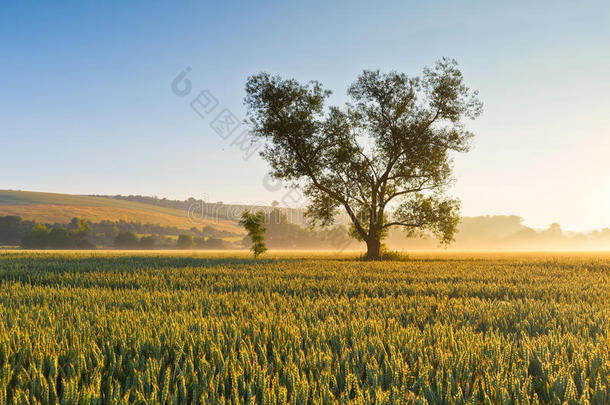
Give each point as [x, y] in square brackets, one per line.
[327, 190]
[407, 224]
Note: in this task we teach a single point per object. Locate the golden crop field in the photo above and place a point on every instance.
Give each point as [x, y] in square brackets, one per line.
[158, 327]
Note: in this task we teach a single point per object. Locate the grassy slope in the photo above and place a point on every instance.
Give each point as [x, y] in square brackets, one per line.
[52, 207]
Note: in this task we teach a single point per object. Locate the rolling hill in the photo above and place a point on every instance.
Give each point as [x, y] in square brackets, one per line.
[53, 207]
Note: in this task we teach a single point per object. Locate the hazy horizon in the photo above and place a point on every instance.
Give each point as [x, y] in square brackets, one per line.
[300, 218]
[88, 106]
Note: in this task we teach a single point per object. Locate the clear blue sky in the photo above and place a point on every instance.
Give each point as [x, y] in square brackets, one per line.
[87, 106]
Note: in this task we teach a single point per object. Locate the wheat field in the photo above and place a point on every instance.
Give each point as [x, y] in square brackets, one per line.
[153, 327]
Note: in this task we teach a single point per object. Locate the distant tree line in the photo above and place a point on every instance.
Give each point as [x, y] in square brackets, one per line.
[281, 234]
[483, 233]
[129, 240]
[72, 236]
[81, 234]
[104, 232]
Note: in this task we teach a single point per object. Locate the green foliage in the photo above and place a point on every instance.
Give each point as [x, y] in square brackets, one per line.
[209, 243]
[126, 240]
[185, 241]
[390, 147]
[40, 237]
[254, 223]
[124, 328]
[12, 229]
[60, 238]
[148, 242]
[37, 238]
[79, 230]
[214, 243]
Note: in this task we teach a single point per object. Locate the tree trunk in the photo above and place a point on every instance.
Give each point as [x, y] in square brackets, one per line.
[373, 249]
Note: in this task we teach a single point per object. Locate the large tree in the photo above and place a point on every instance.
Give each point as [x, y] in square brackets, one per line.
[385, 158]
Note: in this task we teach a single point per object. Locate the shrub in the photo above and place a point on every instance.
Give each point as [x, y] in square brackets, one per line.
[254, 224]
[126, 239]
[185, 241]
[148, 242]
[60, 238]
[37, 238]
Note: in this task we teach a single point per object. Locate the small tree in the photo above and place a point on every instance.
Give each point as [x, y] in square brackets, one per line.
[148, 242]
[214, 243]
[126, 239]
[254, 224]
[185, 241]
[79, 229]
[60, 238]
[37, 238]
